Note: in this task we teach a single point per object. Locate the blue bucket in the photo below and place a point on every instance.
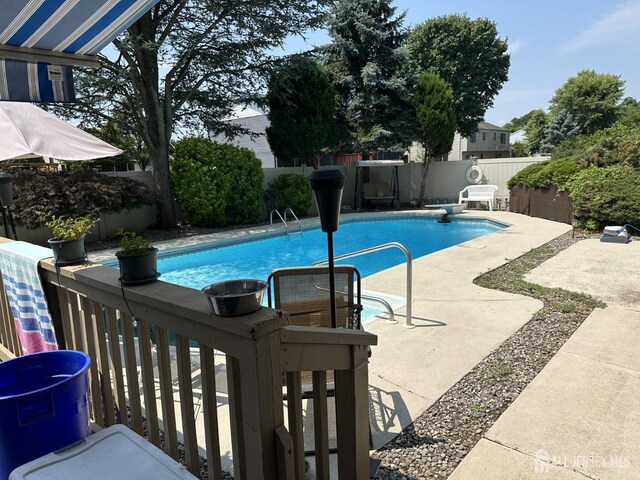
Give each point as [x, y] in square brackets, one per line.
[43, 405]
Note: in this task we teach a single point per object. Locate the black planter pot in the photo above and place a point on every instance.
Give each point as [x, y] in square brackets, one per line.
[138, 268]
[68, 252]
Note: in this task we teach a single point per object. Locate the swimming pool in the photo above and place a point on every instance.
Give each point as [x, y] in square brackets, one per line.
[199, 267]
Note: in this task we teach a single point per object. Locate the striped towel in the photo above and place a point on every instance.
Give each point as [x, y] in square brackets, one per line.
[19, 267]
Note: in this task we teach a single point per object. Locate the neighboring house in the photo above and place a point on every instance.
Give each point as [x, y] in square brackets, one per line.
[255, 121]
[518, 136]
[490, 141]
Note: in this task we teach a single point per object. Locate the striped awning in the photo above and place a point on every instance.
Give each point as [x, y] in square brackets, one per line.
[41, 39]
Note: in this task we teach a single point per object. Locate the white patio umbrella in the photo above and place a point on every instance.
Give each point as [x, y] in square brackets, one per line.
[29, 131]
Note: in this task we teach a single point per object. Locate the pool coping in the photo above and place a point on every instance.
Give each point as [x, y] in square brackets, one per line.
[196, 243]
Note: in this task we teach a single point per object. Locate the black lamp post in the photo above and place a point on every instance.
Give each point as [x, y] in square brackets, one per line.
[6, 201]
[327, 186]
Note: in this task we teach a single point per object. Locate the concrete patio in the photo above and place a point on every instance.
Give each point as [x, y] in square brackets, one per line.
[580, 416]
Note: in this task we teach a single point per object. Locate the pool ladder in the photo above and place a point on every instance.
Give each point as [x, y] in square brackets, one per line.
[384, 246]
[284, 219]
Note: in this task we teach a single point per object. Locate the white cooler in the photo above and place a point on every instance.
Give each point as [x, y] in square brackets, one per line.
[113, 453]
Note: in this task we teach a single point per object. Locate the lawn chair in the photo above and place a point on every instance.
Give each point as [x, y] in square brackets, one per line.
[303, 292]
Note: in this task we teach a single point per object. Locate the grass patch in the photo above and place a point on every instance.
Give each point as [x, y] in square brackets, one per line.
[502, 369]
[570, 306]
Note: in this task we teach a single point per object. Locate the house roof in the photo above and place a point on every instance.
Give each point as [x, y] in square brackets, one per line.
[518, 136]
[490, 126]
[242, 111]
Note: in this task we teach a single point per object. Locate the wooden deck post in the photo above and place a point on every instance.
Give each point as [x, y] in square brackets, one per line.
[352, 417]
[258, 411]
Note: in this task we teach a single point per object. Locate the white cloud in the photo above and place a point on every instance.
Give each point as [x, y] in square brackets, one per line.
[621, 25]
[514, 47]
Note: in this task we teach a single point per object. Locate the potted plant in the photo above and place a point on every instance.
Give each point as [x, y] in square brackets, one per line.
[68, 237]
[138, 259]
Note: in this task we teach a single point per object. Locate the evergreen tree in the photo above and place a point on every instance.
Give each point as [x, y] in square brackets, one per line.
[436, 121]
[561, 128]
[302, 112]
[368, 64]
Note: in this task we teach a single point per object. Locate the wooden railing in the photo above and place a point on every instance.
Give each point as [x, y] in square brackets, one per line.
[156, 347]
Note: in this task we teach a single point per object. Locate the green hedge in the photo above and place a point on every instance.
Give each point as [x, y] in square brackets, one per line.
[73, 194]
[601, 173]
[290, 190]
[546, 173]
[217, 184]
[606, 195]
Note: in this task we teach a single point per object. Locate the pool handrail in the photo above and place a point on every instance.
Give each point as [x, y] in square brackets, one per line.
[288, 209]
[383, 246]
[279, 216]
[391, 318]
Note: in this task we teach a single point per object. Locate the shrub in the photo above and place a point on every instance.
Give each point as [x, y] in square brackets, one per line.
[546, 173]
[519, 149]
[217, 184]
[74, 194]
[245, 177]
[619, 144]
[607, 195]
[290, 190]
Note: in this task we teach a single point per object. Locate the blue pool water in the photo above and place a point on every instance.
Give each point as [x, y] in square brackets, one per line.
[257, 258]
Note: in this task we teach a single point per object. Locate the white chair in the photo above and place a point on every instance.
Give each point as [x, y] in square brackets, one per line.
[479, 193]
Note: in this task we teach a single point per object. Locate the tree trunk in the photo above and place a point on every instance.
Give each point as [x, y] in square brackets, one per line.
[423, 185]
[162, 186]
[157, 117]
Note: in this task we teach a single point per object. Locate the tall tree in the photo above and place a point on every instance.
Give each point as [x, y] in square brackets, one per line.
[302, 111]
[368, 64]
[517, 123]
[435, 119]
[469, 56]
[629, 112]
[536, 130]
[590, 98]
[185, 64]
[561, 128]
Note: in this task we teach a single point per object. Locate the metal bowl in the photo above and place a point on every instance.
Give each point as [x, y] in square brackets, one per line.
[235, 297]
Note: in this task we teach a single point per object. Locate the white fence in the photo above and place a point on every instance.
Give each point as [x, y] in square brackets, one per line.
[444, 181]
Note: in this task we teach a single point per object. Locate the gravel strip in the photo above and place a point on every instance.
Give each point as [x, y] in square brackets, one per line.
[434, 445]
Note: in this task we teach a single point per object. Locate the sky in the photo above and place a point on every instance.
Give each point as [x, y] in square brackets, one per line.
[549, 41]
